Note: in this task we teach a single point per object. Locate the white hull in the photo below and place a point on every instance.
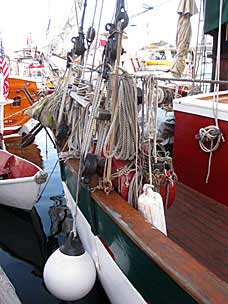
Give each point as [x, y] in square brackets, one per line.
[19, 192]
[116, 285]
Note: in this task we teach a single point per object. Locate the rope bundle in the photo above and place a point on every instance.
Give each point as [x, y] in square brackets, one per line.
[214, 136]
[124, 123]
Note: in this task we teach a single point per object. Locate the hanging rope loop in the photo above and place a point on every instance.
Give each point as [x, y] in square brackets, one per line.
[210, 134]
[213, 136]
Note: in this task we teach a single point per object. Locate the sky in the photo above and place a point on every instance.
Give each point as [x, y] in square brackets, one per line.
[31, 16]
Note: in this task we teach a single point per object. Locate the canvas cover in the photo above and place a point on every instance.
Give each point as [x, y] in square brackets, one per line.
[212, 14]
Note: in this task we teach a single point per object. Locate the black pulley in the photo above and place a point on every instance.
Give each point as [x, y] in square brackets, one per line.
[62, 132]
[90, 35]
[89, 167]
[92, 165]
[121, 17]
[139, 96]
[79, 44]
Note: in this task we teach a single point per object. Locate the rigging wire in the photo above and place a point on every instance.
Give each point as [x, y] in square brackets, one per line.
[76, 14]
[97, 38]
[148, 8]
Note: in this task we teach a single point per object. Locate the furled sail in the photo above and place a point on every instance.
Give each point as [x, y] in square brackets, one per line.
[61, 26]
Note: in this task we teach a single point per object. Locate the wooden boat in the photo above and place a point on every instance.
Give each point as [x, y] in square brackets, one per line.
[20, 181]
[32, 152]
[22, 92]
[131, 255]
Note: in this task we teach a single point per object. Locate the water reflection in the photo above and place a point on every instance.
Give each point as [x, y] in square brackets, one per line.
[28, 238]
[24, 237]
[31, 152]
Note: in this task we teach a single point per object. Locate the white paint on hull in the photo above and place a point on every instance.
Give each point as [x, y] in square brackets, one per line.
[198, 105]
[19, 192]
[116, 285]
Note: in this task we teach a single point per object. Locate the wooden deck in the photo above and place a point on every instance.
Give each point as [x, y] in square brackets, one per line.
[200, 225]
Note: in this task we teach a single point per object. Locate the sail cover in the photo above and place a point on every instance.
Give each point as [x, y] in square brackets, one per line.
[212, 14]
[186, 9]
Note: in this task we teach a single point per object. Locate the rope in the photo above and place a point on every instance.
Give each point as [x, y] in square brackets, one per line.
[123, 125]
[135, 188]
[97, 38]
[213, 135]
[151, 107]
[217, 70]
[89, 44]
[196, 61]
[90, 126]
[76, 14]
[47, 182]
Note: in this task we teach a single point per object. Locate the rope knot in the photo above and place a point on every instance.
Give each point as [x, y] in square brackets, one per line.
[210, 138]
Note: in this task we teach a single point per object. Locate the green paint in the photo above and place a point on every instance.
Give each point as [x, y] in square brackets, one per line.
[150, 280]
[212, 14]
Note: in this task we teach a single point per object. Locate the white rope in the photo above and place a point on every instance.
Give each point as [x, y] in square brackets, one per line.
[151, 94]
[213, 135]
[67, 81]
[123, 122]
[76, 14]
[217, 69]
[97, 38]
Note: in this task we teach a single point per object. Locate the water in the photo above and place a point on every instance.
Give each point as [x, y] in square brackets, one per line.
[28, 237]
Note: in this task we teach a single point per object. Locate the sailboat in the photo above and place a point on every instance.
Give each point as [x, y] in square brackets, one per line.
[27, 83]
[120, 172]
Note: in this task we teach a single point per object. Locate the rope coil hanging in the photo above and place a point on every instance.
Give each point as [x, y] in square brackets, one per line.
[213, 134]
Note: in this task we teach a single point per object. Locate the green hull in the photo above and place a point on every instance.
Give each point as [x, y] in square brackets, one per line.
[155, 285]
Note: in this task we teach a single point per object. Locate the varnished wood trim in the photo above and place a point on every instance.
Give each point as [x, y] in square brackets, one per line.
[187, 272]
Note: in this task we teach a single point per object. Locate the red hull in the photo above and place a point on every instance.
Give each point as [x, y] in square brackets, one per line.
[12, 166]
[11, 131]
[191, 163]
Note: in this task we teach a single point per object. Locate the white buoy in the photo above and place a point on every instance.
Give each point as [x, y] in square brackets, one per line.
[150, 205]
[70, 273]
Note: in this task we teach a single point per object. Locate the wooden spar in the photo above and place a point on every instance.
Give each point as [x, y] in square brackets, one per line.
[67, 81]
[223, 57]
[1, 105]
[2, 102]
[114, 104]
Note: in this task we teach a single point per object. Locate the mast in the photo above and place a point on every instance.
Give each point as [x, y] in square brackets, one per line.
[213, 21]
[2, 102]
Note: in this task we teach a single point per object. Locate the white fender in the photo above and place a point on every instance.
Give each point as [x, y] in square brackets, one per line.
[150, 205]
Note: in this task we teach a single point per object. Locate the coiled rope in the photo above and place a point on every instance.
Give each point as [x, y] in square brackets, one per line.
[123, 126]
[213, 134]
